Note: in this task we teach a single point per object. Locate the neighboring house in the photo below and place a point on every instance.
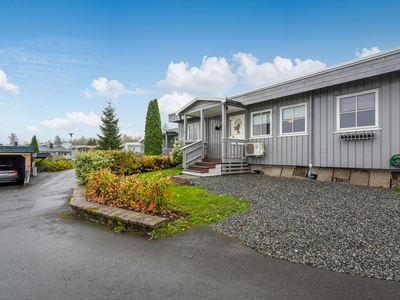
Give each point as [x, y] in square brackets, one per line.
[80, 148]
[345, 116]
[169, 138]
[55, 150]
[133, 146]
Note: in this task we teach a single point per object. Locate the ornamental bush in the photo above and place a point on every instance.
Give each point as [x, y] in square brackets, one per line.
[148, 195]
[176, 153]
[119, 163]
[54, 164]
[85, 162]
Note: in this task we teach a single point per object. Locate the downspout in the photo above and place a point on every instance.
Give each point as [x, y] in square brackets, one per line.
[310, 140]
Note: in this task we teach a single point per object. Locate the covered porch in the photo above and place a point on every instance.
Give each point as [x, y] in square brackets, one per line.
[214, 131]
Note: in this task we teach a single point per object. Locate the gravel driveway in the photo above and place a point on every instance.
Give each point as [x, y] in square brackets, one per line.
[339, 227]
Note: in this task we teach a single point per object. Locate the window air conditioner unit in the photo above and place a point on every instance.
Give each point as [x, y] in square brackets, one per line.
[254, 149]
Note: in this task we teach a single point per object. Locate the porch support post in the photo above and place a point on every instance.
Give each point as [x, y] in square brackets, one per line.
[185, 128]
[201, 133]
[223, 133]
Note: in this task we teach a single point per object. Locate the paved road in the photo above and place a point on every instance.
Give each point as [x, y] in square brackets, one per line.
[44, 256]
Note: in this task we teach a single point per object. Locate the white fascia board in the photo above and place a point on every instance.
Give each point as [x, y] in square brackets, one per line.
[216, 99]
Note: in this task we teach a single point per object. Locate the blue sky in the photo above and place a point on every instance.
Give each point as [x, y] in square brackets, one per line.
[61, 60]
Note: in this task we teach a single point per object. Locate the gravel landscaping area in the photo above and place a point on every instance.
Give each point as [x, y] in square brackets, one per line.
[339, 227]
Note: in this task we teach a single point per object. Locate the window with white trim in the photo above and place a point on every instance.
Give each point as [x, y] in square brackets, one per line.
[357, 111]
[193, 130]
[261, 123]
[294, 119]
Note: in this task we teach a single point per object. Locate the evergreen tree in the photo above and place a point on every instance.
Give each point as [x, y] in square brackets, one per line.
[152, 132]
[91, 142]
[34, 144]
[111, 139]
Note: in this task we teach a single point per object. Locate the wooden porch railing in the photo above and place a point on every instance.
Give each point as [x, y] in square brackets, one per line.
[235, 148]
[191, 153]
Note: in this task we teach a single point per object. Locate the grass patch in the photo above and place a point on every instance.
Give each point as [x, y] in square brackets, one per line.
[204, 208]
[165, 172]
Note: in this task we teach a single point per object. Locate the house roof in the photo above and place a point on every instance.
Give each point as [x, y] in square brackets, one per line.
[198, 99]
[376, 64]
[47, 149]
[16, 149]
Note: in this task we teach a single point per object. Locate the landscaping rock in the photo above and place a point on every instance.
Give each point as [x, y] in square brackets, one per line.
[339, 227]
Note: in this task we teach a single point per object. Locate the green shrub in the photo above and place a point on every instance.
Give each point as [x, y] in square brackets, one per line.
[148, 195]
[119, 163]
[85, 162]
[54, 164]
[176, 153]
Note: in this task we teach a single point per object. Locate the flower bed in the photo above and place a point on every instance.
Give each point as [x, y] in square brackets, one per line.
[149, 196]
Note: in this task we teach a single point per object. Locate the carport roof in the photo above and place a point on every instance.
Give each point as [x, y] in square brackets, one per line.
[16, 149]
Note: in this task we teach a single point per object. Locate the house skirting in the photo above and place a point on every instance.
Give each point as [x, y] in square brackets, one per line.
[366, 177]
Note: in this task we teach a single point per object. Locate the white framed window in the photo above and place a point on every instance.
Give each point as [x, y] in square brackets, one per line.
[293, 119]
[261, 123]
[193, 132]
[357, 111]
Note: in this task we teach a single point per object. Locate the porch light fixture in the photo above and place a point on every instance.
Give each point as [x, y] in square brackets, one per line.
[218, 126]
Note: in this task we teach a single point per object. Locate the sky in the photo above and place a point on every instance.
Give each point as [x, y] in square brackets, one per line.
[60, 61]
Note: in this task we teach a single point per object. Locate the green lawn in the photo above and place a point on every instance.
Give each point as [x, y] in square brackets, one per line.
[166, 172]
[203, 208]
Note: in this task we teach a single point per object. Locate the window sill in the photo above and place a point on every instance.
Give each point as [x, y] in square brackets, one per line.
[261, 137]
[357, 130]
[291, 135]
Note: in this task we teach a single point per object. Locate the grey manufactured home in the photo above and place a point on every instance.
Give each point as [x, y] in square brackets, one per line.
[343, 117]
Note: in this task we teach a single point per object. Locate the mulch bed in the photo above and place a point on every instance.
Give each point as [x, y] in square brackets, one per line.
[180, 181]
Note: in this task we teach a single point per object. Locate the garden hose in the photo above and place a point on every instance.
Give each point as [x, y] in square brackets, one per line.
[394, 163]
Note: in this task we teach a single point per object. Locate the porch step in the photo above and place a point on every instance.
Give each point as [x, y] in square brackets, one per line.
[200, 169]
[209, 165]
[213, 160]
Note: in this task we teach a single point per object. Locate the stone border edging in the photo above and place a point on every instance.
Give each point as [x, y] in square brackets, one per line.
[133, 221]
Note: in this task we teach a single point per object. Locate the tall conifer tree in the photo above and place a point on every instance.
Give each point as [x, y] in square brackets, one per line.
[152, 131]
[111, 139]
[34, 144]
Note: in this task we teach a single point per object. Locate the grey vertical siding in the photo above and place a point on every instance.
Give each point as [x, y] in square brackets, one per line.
[280, 150]
[213, 137]
[329, 151]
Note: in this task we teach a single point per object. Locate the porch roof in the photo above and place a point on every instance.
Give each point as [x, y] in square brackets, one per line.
[211, 107]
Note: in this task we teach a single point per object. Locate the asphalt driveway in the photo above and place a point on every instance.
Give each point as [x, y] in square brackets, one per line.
[47, 255]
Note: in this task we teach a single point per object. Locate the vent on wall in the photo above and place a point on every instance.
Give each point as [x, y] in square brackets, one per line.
[356, 136]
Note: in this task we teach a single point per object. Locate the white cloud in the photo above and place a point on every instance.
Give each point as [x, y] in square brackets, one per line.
[365, 52]
[6, 86]
[79, 117]
[33, 129]
[111, 89]
[214, 77]
[72, 119]
[170, 103]
[255, 75]
[131, 133]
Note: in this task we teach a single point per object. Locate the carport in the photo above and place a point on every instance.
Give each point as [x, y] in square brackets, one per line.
[20, 156]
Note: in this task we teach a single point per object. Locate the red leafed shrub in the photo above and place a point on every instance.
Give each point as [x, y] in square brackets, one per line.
[148, 195]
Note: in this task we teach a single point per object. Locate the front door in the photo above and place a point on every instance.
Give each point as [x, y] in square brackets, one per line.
[237, 127]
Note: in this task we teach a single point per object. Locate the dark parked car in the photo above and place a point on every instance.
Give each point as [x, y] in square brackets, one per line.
[9, 173]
